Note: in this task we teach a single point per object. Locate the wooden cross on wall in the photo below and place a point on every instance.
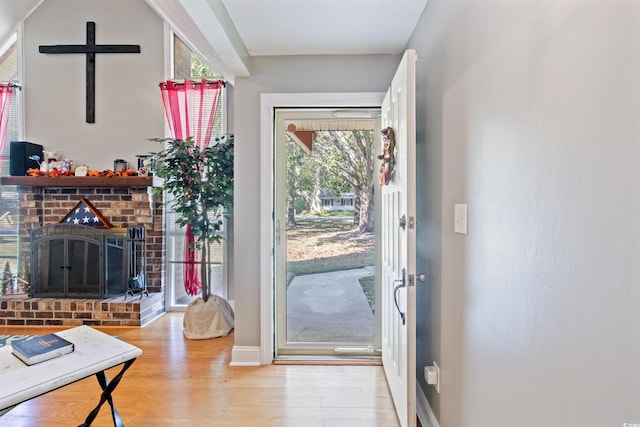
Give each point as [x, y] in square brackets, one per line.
[90, 49]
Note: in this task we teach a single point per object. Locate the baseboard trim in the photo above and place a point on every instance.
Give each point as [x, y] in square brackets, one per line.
[425, 413]
[319, 361]
[245, 356]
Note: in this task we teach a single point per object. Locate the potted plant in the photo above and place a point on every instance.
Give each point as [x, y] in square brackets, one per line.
[200, 181]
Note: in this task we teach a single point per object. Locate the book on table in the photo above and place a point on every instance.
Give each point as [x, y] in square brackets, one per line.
[41, 348]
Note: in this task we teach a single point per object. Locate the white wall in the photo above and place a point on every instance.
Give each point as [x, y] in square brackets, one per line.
[128, 107]
[528, 111]
[299, 74]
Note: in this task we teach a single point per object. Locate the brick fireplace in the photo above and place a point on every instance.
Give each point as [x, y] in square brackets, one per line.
[124, 202]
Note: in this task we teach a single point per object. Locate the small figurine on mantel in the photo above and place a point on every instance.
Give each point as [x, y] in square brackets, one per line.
[82, 170]
[67, 165]
[50, 161]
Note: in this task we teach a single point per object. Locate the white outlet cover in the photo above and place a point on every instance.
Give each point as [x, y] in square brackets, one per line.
[432, 375]
[460, 218]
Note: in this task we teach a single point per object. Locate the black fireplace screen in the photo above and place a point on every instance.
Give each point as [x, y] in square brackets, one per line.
[78, 261]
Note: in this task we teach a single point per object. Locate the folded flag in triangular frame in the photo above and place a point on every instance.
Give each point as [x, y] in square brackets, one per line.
[84, 213]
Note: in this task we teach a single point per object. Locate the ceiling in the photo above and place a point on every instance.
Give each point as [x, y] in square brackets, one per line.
[229, 32]
[303, 132]
[331, 125]
[299, 27]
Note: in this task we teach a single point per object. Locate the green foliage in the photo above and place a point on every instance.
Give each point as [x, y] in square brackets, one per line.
[201, 183]
[342, 162]
[301, 205]
[199, 69]
[368, 284]
[333, 263]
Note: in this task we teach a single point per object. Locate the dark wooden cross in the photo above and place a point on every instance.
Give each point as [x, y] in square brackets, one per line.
[90, 49]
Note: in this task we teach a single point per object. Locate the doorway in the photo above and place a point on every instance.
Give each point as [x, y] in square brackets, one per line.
[325, 287]
[403, 376]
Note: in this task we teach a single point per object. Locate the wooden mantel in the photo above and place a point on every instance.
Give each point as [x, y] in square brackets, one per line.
[78, 181]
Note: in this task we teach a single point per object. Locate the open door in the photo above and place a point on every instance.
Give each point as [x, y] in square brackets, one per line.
[397, 250]
[320, 309]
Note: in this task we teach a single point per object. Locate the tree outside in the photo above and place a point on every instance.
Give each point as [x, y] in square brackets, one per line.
[319, 241]
[341, 162]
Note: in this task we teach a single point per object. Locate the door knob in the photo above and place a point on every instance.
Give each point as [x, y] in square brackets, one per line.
[403, 222]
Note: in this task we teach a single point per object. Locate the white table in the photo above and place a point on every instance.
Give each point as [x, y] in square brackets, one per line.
[94, 353]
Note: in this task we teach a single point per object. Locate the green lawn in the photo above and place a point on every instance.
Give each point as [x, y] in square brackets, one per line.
[333, 263]
[368, 284]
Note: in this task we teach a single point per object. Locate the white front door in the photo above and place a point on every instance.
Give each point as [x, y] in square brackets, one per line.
[397, 250]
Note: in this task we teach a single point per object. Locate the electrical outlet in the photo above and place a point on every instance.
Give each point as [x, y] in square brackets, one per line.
[432, 375]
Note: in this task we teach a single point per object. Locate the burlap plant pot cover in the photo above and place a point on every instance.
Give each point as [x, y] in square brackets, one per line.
[210, 319]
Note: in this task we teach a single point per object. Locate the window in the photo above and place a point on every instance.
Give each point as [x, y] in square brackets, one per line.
[9, 251]
[187, 65]
[9, 73]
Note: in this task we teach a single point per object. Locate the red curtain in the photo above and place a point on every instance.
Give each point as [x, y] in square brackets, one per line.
[6, 95]
[190, 107]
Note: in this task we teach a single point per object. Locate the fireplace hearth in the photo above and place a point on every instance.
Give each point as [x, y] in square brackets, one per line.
[72, 261]
[126, 202]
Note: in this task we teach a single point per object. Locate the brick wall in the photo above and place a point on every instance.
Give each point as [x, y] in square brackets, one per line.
[122, 207]
[118, 311]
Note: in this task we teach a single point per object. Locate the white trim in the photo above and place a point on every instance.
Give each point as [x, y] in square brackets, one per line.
[223, 58]
[167, 35]
[425, 413]
[245, 356]
[269, 101]
[22, 114]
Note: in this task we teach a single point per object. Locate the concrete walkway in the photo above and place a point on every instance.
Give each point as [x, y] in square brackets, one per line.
[330, 307]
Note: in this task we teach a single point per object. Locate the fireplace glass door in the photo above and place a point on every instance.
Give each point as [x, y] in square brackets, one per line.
[68, 267]
[78, 261]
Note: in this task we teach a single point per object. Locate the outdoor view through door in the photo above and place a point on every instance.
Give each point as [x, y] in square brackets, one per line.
[325, 237]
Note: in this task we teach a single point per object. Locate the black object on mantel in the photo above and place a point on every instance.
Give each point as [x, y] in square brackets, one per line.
[90, 49]
[24, 155]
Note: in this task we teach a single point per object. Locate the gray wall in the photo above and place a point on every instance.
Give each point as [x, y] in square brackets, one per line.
[128, 102]
[297, 74]
[528, 111]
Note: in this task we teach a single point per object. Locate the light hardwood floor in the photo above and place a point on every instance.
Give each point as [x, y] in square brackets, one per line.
[180, 382]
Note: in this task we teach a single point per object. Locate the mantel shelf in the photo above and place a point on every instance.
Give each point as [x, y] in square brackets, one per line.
[78, 181]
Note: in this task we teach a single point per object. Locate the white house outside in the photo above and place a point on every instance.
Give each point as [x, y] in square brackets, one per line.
[343, 202]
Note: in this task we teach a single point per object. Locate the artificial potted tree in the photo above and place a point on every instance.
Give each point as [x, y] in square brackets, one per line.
[200, 181]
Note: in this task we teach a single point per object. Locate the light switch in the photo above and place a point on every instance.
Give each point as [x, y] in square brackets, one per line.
[460, 218]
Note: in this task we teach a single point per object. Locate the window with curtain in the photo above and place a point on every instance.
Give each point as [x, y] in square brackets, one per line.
[9, 250]
[187, 65]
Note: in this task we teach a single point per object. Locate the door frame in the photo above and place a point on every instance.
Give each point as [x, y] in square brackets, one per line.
[284, 347]
[268, 103]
